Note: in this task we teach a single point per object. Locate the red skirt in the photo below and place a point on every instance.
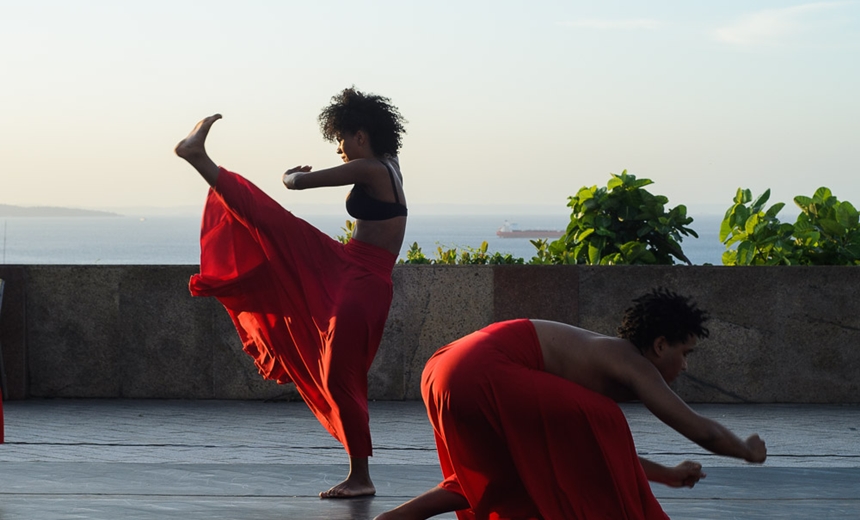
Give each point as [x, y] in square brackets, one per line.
[521, 443]
[308, 309]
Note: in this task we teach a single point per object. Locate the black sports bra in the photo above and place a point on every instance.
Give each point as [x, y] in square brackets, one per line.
[362, 206]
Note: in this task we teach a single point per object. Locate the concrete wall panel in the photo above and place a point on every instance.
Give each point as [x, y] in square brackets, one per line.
[548, 293]
[167, 336]
[73, 331]
[778, 334]
[433, 305]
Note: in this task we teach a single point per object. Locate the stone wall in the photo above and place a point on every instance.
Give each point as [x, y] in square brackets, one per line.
[778, 334]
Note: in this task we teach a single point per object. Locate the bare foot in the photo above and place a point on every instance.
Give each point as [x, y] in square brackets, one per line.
[193, 150]
[193, 145]
[350, 488]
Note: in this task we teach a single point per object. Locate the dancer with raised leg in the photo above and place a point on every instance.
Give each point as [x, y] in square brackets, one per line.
[307, 308]
[527, 425]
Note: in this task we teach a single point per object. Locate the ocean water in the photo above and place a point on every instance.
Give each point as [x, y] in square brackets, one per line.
[175, 239]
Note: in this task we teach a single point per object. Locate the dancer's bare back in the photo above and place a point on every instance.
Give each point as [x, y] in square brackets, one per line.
[586, 358]
[614, 367]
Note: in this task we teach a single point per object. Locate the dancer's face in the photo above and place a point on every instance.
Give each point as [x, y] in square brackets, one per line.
[349, 146]
[671, 358]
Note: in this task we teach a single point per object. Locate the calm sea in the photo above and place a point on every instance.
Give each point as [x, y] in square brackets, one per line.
[174, 239]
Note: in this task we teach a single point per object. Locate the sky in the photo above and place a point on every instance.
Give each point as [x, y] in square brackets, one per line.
[507, 102]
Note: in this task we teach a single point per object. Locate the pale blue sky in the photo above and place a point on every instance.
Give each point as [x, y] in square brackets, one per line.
[508, 102]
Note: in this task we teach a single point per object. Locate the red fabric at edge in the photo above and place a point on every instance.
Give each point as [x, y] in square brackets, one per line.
[307, 308]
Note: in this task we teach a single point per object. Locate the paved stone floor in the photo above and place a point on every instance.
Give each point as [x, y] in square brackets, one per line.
[250, 460]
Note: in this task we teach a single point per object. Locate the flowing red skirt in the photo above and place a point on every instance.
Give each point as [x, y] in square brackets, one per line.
[521, 443]
[308, 309]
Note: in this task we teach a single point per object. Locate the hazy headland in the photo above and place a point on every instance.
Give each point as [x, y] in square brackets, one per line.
[8, 210]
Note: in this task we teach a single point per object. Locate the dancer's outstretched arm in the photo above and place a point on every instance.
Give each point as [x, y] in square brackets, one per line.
[655, 394]
[356, 171]
[193, 150]
[685, 474]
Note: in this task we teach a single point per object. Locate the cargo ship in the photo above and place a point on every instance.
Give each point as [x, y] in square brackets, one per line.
[510, 230]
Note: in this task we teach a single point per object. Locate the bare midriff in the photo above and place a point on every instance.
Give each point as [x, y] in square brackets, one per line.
[386, 234]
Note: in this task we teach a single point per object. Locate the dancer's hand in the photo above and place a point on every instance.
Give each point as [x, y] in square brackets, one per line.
[291, 175]
[685, 474]
[757, 449]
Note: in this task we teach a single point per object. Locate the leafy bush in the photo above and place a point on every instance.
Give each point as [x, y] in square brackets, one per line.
[622, 223]
[760, 237]
[543, 256]
[825, 233]
[466, 256]
[415, 256]
[347, 229]
[827, 230]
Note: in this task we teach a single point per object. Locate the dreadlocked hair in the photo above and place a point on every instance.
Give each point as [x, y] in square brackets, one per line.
[662, 312]
[352, 110]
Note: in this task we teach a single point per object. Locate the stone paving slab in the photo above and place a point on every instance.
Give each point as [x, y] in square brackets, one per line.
[189, 431]
[120, 459]
[394, 480]
[270, 509]
[204, 431]
[49, 491]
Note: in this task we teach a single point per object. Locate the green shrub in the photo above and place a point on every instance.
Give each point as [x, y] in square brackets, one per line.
[622, 223]
[347, 229]
[760, 237]
[464, 256]
[826, 231]
[415, 256]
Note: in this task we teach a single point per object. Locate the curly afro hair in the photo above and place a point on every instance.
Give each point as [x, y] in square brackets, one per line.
[662, 313]
[352, 110]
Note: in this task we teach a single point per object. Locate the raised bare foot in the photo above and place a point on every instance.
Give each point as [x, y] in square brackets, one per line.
[193, 150]
[350, 488]
[193, 146]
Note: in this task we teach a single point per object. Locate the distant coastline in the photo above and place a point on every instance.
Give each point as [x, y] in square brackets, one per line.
[8, 210]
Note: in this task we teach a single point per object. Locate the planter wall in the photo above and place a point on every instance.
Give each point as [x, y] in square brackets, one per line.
[778, 334]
